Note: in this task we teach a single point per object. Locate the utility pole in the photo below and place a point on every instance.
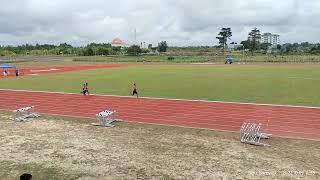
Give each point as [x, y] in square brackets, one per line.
[135, 36]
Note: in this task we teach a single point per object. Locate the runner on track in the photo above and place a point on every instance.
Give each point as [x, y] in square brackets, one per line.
[135, 92]
[85, 89]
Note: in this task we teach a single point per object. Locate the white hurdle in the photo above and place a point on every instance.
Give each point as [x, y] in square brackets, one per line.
[105, 118]
[23, 114]
[250, 133]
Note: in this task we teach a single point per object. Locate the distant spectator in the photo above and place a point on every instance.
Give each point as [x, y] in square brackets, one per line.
[26, 177]
[229, 60]
[5, 73]
[17, 72]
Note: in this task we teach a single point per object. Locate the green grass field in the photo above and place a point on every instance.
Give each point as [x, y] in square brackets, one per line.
[258, 84]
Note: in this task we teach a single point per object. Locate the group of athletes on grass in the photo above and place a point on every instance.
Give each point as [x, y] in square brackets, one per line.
[85, 89]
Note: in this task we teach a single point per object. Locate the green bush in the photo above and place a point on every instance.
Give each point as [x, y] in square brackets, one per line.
[134, 50]
[170, 58]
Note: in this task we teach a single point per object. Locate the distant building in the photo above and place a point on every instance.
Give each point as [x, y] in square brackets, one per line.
[117, 42]
[272, 39]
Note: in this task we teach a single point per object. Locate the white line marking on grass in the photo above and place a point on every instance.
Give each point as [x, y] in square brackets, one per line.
[155, 98]
[293, 77]
[203, 63]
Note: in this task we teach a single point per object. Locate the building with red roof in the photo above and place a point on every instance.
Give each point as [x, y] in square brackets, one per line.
[117, 42]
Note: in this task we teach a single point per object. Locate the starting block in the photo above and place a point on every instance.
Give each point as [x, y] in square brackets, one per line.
[105, 118]
[251, 133]
[23, 114]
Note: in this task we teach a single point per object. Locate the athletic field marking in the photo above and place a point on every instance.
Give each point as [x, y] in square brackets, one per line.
[155, 98]
[45, 70]
[292, 77]
[203, 63]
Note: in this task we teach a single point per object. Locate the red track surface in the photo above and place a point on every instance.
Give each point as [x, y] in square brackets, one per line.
[294, 122]
[39, 70]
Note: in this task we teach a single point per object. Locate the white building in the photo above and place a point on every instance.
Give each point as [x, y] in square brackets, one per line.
[272, 39]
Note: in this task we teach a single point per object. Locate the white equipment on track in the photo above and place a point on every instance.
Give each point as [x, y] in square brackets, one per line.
[251, 133]
[105, 118]
[23, 114]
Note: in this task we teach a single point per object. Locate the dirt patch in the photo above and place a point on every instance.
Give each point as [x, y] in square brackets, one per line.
[73, 149]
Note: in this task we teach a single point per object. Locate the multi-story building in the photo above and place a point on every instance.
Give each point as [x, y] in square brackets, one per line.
[272, 39]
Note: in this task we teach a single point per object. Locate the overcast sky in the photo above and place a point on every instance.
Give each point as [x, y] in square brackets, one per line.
[179, 22]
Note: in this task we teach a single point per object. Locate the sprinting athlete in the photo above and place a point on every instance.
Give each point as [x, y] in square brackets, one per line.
[85, 89]
[135, 92]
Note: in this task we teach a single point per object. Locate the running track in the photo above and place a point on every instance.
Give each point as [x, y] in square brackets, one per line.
[285, 121]
[41, 70]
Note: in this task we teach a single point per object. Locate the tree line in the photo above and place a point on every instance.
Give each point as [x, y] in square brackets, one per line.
[253, 44]
[92, 49]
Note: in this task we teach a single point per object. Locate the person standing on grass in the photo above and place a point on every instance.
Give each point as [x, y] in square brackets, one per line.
[85, 89]
[17, 72]
[135, 91]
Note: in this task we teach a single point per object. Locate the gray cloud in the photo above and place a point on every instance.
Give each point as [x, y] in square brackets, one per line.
[180, 22]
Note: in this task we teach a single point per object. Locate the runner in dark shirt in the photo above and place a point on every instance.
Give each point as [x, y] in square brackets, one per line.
[135, 92]
[85, 89]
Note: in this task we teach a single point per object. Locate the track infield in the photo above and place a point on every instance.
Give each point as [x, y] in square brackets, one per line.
[282, 121]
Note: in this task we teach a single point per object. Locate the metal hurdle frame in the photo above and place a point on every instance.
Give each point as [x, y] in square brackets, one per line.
[105, 118]
[25, 113]
[250, 133]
